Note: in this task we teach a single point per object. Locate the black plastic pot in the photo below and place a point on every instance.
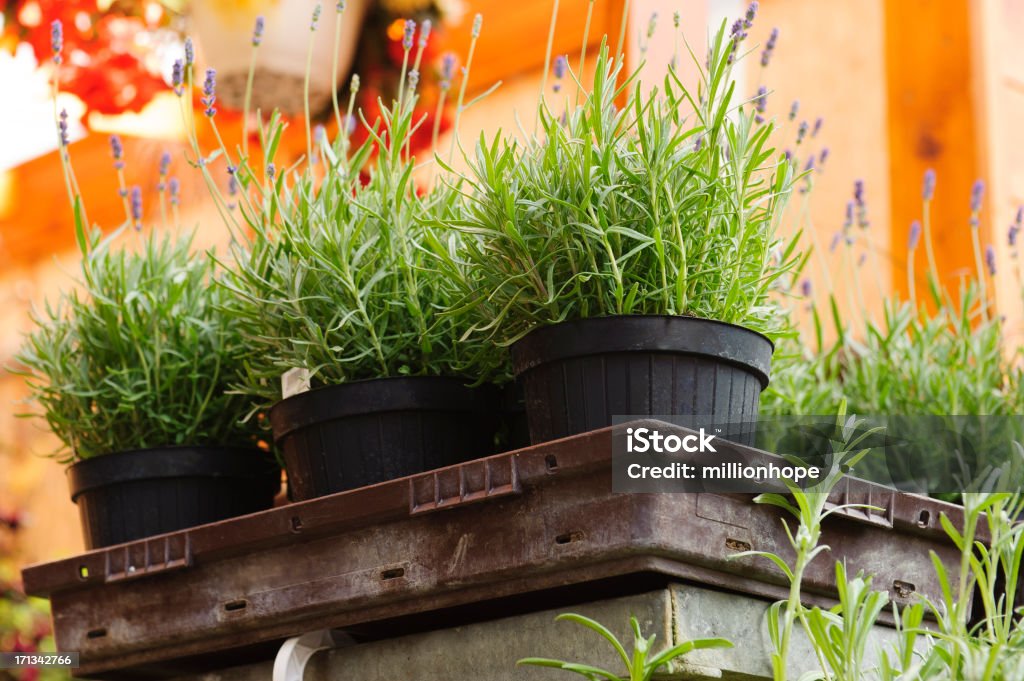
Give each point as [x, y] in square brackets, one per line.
[577, 375]
[356, 434]
[135, 494]
[514, 430]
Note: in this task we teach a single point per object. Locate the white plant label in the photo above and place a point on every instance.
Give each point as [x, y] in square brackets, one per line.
[294, 381]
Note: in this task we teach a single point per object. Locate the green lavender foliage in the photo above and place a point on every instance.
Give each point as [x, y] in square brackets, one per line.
[667, 205]
[141, 355]
[945, 361]
[641, 665]
[956, 643]
[334, 278]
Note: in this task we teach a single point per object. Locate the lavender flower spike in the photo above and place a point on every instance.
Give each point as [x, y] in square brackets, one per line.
[210, 92]
[1011, 234]
[478, 23]
[57, 40]
[136, 206]
[257, 31]
[62, 126]
[425, 28]
[990, 260]
[794, 109]
[761, 100]
[805, 288]
[178, 77]
[447, 70]
[410, 31]
[560, 67]
[315, 21]
[769, 47]
[414, 79]
[977, 192]
[914, 238]
[858, 192]
[117, 151]
[190, 52]
[748, 19]
[928, 190]
[173, 186]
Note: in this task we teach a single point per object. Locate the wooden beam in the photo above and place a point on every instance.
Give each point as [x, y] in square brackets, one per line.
[932, 124]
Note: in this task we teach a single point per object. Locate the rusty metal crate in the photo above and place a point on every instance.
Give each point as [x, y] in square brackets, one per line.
[491, 532]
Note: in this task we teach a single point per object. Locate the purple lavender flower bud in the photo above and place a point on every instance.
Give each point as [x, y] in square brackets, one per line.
[560, 67]
[698, 143]
[805, 288]
[915, 235]
[1020, 216]
[748, 19]
[788, 153]
[117, 151]
[737, 29]
[315, 20]
[136, 206]
[810, 164]
[862, 259]
[652, 24]
[858, 192]
[165, 163]
[271, 171]
[848, 222]
[990, 260]
[1011, 235]
[769, 47]
[174, 187]
[62, 127]
[761, 100]
[447, 70]
[794, 109]
[257, 31]
[977, 192]
[410, 30]
[928, 191]
[341, 5]
[178, 77]
[414, 79]
[190, 52]
[232, 184]
[57, 40]
[210, 92]
[836, 238]
[425, 28]
[817, 126]
[801, 132]
[823, 156]
[478, 22]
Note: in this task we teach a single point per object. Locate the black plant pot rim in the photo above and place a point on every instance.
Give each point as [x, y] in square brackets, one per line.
[677, 334]
[173, 461]
[376, 396]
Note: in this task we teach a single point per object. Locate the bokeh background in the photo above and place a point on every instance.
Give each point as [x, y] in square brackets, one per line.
[886, 88]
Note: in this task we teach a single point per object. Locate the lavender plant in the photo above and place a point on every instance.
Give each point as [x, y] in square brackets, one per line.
[331, 275]
[141, 353]
[667, 205]
[642, 665]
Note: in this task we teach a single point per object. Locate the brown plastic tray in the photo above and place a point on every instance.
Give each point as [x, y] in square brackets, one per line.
[491, 531]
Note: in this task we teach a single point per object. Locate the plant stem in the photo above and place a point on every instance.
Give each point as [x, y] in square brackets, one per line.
[547, 65]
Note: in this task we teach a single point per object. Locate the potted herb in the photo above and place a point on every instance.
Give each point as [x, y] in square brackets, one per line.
[335, 288]
[626, 253]
[132, 373]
